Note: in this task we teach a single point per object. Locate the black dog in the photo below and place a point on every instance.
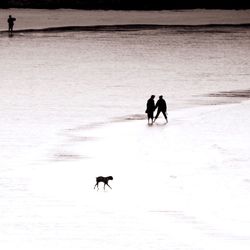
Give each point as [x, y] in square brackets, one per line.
[104, 180]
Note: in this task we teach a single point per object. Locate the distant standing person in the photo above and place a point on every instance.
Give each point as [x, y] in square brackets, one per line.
[161, 108]
[11, 21]
[150, 108]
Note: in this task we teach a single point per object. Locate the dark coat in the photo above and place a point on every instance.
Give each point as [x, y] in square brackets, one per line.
[161, 105]
[150, 106]
[11, 21]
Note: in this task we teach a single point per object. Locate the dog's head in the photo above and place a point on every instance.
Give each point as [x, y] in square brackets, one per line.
[110, 177]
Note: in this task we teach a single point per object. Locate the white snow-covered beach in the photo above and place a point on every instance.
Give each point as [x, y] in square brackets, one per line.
[184, 185]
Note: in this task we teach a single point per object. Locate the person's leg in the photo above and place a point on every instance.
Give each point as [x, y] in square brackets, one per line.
[164, 113]
[158, 112]
[150, 117]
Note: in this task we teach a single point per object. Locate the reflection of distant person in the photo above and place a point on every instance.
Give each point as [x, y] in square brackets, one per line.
[162, 108]
[150, 108]
[11, 21]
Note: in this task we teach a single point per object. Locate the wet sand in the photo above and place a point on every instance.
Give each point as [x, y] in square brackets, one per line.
[222, 98]
[243, 94]
[137, 27]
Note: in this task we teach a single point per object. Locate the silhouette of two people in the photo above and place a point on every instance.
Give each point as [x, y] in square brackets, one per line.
[161, 107]
[11, 20]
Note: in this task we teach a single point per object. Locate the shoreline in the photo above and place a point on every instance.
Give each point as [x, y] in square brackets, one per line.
[227, 98]
[131, 27]
[223, 98]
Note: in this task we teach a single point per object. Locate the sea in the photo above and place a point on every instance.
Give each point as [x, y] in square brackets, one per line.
[73, 92]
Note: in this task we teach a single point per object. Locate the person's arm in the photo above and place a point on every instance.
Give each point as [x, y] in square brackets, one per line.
[146, 111]
[156, 105]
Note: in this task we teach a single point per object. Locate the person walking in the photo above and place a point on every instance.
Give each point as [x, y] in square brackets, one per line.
[11, 21]
[161, 108]
[150, 109]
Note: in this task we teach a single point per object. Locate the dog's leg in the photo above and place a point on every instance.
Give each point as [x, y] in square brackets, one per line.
[109, 186]
[96, 185]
